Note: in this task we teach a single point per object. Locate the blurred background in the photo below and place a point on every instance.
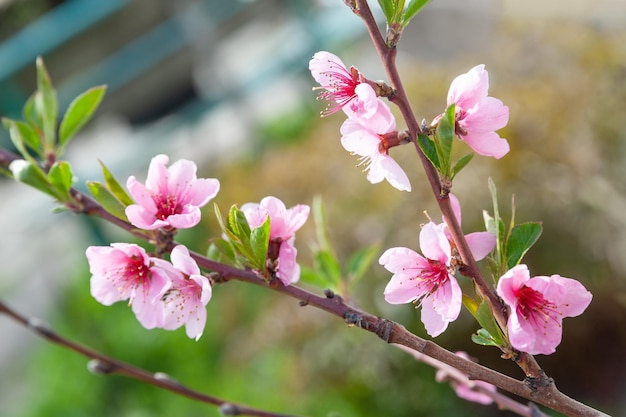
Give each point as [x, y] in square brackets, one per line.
[225, 83]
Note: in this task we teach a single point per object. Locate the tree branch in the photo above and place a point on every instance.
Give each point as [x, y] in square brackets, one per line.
[387, 56]
[102, 364]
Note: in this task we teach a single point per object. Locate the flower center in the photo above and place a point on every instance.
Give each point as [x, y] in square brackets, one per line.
[166, 206]
[535, 308]
[340, 89]
[434, 276]
[134, 274]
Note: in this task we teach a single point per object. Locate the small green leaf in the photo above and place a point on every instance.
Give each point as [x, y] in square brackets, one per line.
[471, 305]
[29, 113]
[328, 267]
[314, 278]
[360, 261]
[430, 150]
[443, 139]
[482, 337]
[23, 134]
[486, 320]
[115, 187]
[61, 177]
[497, 222]
[388, 9]
[79, 113]
[461, 163]
[414, 7]
[46, 104]
[321, 226]
[522, 238]
[221, 250]
[30, 173]
[107, 200]
[259, 240]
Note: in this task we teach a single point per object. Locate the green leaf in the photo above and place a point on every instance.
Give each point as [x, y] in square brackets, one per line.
[328, 267]
[314, 278]
[115, 187]
[46, 105]
[78, 114]
[30, 173]
[522, 238]
[238, 232]
[484, 338]
[23, 134]
[260, 240]
[461, 163]
[107, 200]
[471, 305]
[61, 177]
[321, 226]
[486, 320]
[388, 9]
[414, 7]
[29, 113]
[497, 226]
[430, 150]
[221, 250]
[443, 139]
[360, 262]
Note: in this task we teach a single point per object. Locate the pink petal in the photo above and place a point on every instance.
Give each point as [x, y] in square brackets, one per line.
[487, 144]
[441, 307]
[488, 115]
[202, 190]
[434, 243]
[358, 139]
[370, 111]
[189, 218]
[183, 261]
[510, 283]
[534, 340]
[140, 217]
[398, 259]
[456, 207]
[481, 244]
[569, 295]
[393, 173]
[288, 269]
[469, 88]
[323, 63]
[157, 173]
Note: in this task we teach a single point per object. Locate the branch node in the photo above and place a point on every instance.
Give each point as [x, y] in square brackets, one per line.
[384, 329]
[228, 409]
[39, 326]
[100, 367]
[162, 376]
[355, 319]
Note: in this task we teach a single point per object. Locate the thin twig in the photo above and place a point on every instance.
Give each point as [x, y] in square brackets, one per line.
[502, 401]
[102, 364]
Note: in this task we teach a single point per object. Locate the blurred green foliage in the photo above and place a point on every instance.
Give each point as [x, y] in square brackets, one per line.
[565, 88]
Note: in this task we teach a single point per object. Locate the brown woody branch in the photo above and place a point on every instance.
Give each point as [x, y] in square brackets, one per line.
[102, 364]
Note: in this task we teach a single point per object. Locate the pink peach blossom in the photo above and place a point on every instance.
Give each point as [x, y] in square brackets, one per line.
[478, 116]
[538, 306]
[124, 271]
[336, 81]
[171, 197]
[427, 279]
[185, 299]
[363, 134]
[283, 225]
